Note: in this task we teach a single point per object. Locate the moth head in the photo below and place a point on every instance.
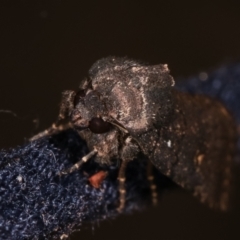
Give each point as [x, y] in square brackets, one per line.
[89, 115]
[89, 111]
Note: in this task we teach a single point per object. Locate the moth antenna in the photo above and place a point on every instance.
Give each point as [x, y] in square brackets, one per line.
[78, 164]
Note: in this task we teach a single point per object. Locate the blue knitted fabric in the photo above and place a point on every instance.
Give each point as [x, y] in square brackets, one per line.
[222, 84]
[35, 203]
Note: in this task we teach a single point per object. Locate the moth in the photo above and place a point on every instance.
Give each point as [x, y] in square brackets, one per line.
[126, 108]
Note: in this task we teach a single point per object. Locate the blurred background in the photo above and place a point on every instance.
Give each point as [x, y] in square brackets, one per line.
[48, 46]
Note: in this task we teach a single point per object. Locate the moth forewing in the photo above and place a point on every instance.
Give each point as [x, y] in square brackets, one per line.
[203, 144]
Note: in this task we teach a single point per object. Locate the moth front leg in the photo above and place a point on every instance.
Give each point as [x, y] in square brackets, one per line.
[66, 107]
[78, 164]
[55, 128]
[129, 151]
[121, 186]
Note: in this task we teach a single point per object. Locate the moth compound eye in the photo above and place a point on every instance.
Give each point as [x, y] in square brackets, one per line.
[79, 95]
[97, 125]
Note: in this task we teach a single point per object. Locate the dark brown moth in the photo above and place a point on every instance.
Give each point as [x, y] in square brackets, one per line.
[125, 108]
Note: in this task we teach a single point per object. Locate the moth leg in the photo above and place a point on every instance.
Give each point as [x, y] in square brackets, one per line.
[153, 186]
[66, 108]
[78, 164]
[121, 186]
[52, 130]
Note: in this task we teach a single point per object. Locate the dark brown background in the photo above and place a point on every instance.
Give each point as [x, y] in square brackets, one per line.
[48, 46]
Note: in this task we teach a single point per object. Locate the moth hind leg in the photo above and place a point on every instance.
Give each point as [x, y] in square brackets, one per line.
[153, 186]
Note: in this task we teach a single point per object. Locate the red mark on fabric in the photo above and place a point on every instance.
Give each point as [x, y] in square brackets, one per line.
[97, 179]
